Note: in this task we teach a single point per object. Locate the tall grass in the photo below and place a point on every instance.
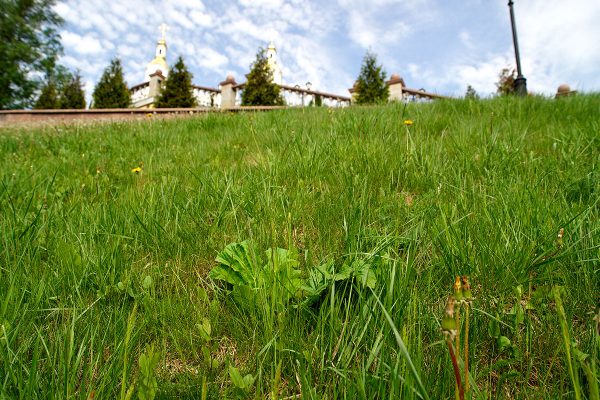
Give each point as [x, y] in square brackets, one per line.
[471, 188]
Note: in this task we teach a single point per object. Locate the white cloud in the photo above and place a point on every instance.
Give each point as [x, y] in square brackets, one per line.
[125, 51]
[559, 42]
[85, 45]
[133, 38]
[378, 23]
[172, 14]
[465, 38]
[432, 43]
[201, 19]
[272, 4]
[211, 59]
[189, 4]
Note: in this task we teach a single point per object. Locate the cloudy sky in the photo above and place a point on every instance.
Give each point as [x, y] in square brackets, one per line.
[439, 45]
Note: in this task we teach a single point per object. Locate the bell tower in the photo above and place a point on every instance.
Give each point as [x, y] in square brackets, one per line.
[159, 63]
[272, 62]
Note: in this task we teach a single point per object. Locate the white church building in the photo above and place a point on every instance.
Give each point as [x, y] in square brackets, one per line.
[145, 94]
[228, 93]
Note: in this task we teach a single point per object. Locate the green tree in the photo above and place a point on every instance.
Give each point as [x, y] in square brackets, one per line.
[260, 90]
[62, 89]
[72, 95]
[370, 85]
[48, 99]
[112, 91]
[317, 101]
[506, 81]
[177, 92]
[471, 93]
[29, 47]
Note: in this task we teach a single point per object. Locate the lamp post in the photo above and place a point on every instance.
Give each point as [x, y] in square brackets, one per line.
[520, 84]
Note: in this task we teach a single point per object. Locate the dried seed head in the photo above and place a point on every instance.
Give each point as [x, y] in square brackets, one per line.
[466, 289]
[448, 321]
[449, 311]
[559, 239]
[458, 294]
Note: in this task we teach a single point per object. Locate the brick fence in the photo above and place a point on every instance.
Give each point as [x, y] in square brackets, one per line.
[42, 117]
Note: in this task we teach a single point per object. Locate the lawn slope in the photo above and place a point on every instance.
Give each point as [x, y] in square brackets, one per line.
[108, 234]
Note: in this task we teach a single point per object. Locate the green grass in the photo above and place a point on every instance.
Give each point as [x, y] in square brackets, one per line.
[471, 188]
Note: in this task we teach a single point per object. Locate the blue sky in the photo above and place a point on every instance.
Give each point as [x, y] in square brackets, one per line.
[441, 46]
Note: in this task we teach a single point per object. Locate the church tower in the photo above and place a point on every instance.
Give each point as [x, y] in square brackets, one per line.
[159, 63]
[272, 62]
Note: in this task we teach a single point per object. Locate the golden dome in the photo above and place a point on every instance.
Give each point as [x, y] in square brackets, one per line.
[159, 61]
[564, 88]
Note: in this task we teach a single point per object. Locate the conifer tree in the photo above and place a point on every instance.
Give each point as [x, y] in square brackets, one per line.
[471, 93]
[72, 95]
[177, 92]
[48, 99]
[111, 91]
[370, 85]
[260, 90]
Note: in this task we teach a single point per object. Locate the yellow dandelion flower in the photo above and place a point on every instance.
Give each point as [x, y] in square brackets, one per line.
[136, 170]
[149, 115]
[408, 122]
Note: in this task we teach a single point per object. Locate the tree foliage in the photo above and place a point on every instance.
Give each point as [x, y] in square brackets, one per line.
[506, 81]
[317, 101]
[177, 92]
[370, 85]
[62, 89]
[72, 95]
[471, 93]
[260, 90]
[48, 99]
[112, 91]
[29, 47]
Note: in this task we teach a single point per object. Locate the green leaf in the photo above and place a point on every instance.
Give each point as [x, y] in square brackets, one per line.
[206, 354]
[147, 283]
[318, 280]
[346, 272]
[225, 273]
[494, 327]
[205, 329]
[239, 258]
[503, 342]
[579, 355]
[248, 381]
[236, 378]
[202, 294]
[148, 384]
[365, 275]
[281, 266]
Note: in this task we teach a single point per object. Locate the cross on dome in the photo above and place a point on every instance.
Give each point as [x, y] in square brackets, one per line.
[163, 29]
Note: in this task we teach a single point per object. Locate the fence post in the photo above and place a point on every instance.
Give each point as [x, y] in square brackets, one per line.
[396, 83]
[228, 92]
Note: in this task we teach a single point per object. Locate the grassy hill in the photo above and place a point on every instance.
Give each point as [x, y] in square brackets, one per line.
[354, 226]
